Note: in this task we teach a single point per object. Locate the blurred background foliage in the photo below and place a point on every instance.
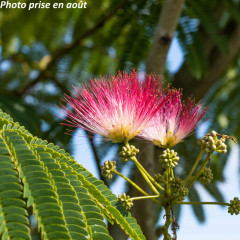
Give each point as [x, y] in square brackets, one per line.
[46, 51]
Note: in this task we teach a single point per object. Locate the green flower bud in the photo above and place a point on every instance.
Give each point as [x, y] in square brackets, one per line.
[178, 190]
[126, 200]
[169, 158]
[107, 168]
[206, 176]
[128, 152]
[234, 207]
[211, 143]
[158, 177]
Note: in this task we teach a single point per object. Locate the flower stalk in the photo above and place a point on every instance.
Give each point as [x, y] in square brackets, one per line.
[199, 157]
[137, 187]
[145, 175]
[150, 178]
[204, 203]
[146, 197]
[204, 164]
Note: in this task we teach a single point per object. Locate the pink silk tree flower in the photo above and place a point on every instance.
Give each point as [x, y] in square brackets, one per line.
[116, 107]
[174, 121]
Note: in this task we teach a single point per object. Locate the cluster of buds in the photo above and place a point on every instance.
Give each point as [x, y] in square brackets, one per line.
[169, 158]
[126, 200]
[178, 189]
[206, 176]
[128, 152]
[234, 207]
[158, 177]
[108, 168]
[211, 143]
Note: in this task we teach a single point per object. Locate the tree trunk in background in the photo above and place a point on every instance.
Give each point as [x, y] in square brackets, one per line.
[164, 34]
[143, 211]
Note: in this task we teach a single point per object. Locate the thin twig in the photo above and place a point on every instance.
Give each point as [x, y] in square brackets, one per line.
[204, 203]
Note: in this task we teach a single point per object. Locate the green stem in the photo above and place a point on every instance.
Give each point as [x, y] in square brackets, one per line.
[131, 182]
[157, 185]
[144, 172]
[172, 174]
[168, 175]
[167, 223]
[147, 180]
[144, 197]
[209, 203]
[200, 170]
[194, 166]
[135, 185]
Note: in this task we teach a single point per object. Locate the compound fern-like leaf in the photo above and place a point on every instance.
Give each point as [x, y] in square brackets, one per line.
[67, 201]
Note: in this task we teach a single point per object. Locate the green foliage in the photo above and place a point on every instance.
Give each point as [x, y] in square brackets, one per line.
[66, 200]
